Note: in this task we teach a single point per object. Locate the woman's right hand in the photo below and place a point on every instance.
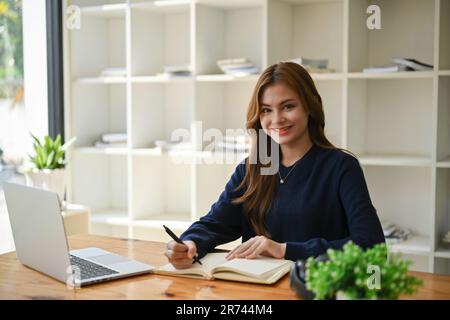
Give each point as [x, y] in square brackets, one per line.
[180, 255]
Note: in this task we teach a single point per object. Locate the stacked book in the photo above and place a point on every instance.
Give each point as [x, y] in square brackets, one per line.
[313, 65]
[177, 70]
[112, 140]
[238, 67]
[394, 234]
[412, 64]
[400, 64]
[233, 144]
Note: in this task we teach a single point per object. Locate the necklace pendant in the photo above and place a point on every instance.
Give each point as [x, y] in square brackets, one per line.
[281, 181]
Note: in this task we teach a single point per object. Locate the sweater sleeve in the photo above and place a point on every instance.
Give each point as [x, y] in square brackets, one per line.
[223, 223]
[363, 223]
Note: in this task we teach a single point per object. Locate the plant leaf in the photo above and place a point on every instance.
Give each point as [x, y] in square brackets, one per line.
[57, 143]
[36, 140]
[68, 143]
[48, 143]
[49, 163]
[40, 158]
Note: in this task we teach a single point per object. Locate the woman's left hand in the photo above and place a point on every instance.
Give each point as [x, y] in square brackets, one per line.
[258, 245]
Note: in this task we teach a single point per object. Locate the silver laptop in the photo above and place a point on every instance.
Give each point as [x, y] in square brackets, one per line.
[41, 241]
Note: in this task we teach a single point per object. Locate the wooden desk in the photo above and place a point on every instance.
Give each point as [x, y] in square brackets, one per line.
[19, 282]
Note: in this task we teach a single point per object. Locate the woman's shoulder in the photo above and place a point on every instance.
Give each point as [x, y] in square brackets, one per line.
[239, 171]
[337, 157]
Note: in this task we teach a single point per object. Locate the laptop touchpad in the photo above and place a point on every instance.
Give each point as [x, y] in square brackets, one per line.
[108, 259]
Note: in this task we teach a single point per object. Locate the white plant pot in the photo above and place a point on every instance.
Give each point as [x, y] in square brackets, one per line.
[52, 180]
[340, 295]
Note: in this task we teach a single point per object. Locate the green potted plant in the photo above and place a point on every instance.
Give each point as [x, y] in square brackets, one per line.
[354, 273]
[48, 164]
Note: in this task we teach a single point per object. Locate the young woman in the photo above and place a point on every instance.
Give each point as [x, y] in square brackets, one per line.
[317, 199]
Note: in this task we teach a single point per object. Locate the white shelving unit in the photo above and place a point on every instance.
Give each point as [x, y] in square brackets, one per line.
[397, 123]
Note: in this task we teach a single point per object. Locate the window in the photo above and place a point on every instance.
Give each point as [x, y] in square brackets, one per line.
[13, 132]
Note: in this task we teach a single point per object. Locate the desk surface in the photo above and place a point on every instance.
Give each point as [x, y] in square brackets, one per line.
[20, 282]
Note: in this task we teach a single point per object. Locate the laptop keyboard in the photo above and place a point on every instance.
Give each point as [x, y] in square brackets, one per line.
[89, 269]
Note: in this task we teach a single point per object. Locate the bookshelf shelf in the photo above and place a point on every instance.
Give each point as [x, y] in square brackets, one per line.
[105, 11]
[111, 216]
[397, 123]
[173, 6]
[393, 75]
[160, 79]
[444, 163]
[178, 221]
[101, 80]
[225, 78]
[416, 245]
[368, 48]
[103, 37]
[394, 160]
[442, 253]
[102, 151]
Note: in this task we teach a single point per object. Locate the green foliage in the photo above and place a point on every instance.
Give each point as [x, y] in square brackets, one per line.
[11, 48]
[348, 271]
[49, 154]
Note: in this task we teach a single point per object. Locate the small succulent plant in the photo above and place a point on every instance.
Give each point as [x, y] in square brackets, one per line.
[350, 270]
[50, 153]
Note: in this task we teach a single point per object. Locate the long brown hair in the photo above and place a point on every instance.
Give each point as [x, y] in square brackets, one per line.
[259, 190]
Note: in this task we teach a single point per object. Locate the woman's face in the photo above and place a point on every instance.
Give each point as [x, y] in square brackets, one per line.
[282, 115]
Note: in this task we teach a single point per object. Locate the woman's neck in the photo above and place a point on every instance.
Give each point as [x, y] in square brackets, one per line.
[293, 153]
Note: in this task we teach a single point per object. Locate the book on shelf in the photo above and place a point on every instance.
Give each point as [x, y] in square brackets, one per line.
[261, 270]
[413, 64]
[112, 140]
[238, 66]
[394, 234]
[399, 65]
[177, 70]
[387, 68]
[114, 137]
[312, 63]
[174, 145]
[234, 63]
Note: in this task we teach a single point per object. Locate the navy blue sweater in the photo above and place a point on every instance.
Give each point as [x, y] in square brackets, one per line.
[323, 204]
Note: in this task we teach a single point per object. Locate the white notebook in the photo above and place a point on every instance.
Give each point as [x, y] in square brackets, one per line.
[262, 270]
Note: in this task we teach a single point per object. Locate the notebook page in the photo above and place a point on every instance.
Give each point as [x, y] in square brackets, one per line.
[259, 267]
[271, 278]
[208, 262]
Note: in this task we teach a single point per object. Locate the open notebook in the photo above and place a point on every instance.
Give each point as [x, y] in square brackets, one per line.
[260, 270]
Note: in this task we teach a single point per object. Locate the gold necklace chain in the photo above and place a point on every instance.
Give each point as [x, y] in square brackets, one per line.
[283, 180]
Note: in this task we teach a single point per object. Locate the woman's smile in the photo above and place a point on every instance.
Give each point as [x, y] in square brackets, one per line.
[282, 131]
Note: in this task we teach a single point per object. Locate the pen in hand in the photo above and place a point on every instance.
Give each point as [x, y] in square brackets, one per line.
[178, 240]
